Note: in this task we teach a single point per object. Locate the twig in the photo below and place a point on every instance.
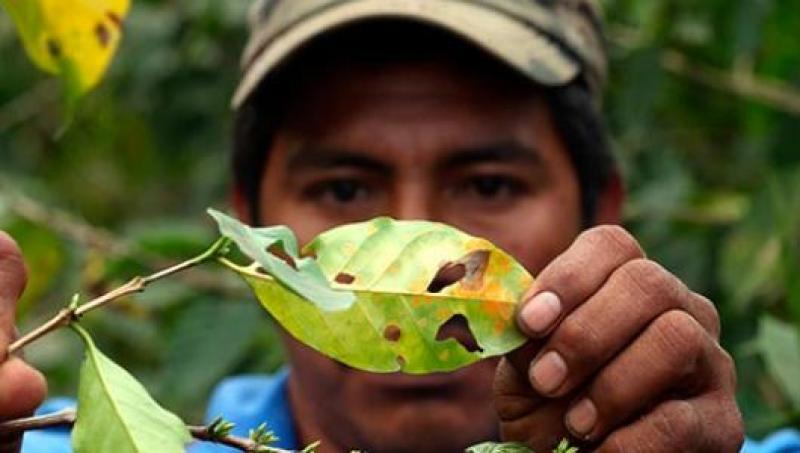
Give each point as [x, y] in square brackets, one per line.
[61, 418]
[79, 230]
[772, 93]
[61, 221]
[740, 81]
[67, 418]
[28, 104]
[135, 285]
[242, 443]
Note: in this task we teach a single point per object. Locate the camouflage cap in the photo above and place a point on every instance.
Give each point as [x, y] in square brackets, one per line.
[550, 41]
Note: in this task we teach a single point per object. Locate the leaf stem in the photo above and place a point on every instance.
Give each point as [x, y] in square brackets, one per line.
[61, 418]
[241, 443]
[67, 417]
[137, 284]
[249, 270]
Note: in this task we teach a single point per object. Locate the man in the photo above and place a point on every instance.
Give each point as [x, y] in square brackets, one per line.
[482, 114]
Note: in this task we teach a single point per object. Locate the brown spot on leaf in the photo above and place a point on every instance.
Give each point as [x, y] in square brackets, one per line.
[102, 34]
[476, 263]
[114, 18]
[54, 48]
[458, 329]
[277, 250]
[448, 274]
[469, 270]
[392, 333]
[344, 278]
[401, 361]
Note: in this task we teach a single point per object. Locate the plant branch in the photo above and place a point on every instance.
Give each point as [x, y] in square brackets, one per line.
[739, 81]
[241, 443]
[57, 419]
[66, 418]
[77, 229]
[60, 221]
[773, 93]
[72, 313]
[28, 104]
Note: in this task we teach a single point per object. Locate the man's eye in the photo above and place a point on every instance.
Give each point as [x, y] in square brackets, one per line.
[340, 191]
[493, 187]
[344, 191]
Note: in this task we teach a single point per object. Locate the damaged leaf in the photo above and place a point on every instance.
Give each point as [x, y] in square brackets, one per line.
[274, 250]
[74, 39]
[426, 296]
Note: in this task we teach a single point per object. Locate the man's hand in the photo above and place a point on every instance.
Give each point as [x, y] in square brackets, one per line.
[624, 357]
[22, 388]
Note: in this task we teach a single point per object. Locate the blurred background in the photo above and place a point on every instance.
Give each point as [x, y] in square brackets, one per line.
[703, 108]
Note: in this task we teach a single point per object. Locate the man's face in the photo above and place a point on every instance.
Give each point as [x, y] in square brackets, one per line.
[416, 141]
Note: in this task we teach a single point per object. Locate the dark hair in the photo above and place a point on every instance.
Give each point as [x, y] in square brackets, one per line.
[576, 117]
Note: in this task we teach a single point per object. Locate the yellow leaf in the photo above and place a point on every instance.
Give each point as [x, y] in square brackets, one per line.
[74, 39]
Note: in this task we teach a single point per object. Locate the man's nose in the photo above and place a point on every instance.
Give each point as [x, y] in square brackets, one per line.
[413, 200]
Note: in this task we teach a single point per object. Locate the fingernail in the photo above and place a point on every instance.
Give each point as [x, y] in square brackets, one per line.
[549, 372]
[541, 312]
[582, 418]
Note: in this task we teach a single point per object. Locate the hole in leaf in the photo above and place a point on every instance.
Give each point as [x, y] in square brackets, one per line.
[458, 329]
[448, 274]
[277, 250]
[344, 278]
[261, 270]
[392, 333]
[102, 34]
[476, 263]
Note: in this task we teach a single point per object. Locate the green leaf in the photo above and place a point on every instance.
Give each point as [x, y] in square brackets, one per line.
[495, 447]
[170, 238]
[115, 413]
[517, 447]
[564, 447]
[223, 331]
[307, 280]
[74, 39]
[262, 436]
[219, 427]
[45, 252]
[779, 344]
[394, 323]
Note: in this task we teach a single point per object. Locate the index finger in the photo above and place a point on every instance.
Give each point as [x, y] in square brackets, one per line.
[574, 276]
[13, 277]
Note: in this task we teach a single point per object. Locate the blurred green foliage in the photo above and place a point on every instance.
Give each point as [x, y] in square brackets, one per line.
[703, 107]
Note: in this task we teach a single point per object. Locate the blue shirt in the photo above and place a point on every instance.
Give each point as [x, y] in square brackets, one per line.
[249, 401]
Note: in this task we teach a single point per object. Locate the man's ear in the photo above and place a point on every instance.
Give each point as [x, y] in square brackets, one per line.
[240, 205]
[611, 201]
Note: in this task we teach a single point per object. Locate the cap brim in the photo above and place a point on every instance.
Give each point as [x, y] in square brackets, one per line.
[517, 43]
